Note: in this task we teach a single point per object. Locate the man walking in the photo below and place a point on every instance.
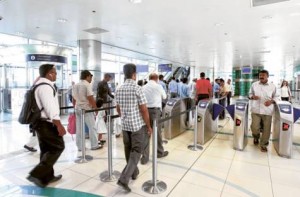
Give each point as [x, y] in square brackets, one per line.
[49, 128]
[263, 96]
[83, 99]
[154, 94]
[131, 106]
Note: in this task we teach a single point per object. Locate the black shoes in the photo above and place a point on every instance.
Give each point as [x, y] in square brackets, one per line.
[31, 149]
[163, 155]
[55, 178]
[144, 161]
[135, 174]
[255, 141]
[36, 181]
[124, 186]
[101, 142]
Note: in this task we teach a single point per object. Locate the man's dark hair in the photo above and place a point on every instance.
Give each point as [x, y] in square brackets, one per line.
[173, 78]
[84, 74]
[208, 78]
[264, 71]
[44, 69]
[129, 70]
[184, 80]
[202, 75]
[161, 77]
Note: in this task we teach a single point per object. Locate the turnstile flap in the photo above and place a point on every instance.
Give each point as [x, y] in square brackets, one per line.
[217, 109]
[296, 114]
[230, 109]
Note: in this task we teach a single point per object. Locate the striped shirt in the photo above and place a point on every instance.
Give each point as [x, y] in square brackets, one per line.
[129, 97]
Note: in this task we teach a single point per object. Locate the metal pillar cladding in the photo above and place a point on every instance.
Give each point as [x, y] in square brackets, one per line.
[283, 129]
[195, 146]
[240, 128]
[90, 58]
[109, 175]
[154, 186]
[84, 158]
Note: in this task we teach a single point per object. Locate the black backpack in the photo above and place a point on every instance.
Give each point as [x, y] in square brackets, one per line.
[30, 112]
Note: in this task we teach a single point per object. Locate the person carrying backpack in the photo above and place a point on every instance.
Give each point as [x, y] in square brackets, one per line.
[48, 127]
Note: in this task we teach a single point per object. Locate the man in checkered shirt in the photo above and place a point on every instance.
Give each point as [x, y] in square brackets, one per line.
[131, 106]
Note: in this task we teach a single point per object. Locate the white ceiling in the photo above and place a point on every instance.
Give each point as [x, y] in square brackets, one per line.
[204, 33]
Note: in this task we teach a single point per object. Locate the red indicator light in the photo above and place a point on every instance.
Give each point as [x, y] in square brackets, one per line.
[285, 126]
[238, 122]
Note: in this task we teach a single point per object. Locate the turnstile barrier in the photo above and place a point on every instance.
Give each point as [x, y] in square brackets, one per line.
[178, 124]
[283, 129]
[207, 120]
[240, 128]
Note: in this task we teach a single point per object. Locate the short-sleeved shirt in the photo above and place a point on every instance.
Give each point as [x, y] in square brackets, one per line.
[80, 92]
[203, 86]
[266, 92]
[129, 97]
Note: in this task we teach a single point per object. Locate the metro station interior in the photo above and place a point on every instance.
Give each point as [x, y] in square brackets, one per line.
[232, 39]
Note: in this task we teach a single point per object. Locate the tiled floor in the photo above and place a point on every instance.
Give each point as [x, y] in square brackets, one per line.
[217, 170]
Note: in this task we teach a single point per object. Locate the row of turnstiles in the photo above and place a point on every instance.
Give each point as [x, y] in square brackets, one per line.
[207, 122]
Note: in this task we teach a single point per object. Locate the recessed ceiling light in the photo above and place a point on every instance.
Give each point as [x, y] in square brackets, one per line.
[218, 24]
[135, 1]
[20, 33]
[264, 37]
[295, 14]
[146, 34]
[267, 17]
[62, 20]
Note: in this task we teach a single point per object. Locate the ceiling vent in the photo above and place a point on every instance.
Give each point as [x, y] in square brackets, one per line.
[262, 52]
[95, 30]
[264, 2]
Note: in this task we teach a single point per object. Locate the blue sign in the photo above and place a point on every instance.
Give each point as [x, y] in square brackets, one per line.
[246, 70]
[142, 68]
[164, 67]
[46, 58]
[287, 109]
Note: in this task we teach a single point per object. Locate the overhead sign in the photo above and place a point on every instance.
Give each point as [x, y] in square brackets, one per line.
[164, 67]
[46, 58]
[142, 68]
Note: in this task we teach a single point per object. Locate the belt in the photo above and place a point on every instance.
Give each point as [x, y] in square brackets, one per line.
[154, 108]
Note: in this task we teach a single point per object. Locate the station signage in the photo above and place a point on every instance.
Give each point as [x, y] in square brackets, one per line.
[46, 58]
[287, 109]
[164, 67]
[142, 68]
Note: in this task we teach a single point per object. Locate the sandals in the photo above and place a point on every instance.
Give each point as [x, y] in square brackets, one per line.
[263, 149]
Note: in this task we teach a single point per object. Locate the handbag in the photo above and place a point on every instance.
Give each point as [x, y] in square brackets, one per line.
[72, 124]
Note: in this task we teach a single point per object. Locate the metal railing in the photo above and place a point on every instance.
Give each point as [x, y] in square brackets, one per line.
[155, 186]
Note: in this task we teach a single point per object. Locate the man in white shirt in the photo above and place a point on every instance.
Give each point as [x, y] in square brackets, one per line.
[49, 129]
[263, 96]
[154, 94]
[83, 99]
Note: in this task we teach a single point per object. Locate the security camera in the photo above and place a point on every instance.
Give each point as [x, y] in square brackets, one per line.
[1, 18]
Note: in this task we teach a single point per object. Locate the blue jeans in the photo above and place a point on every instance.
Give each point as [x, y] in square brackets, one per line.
[89, 120]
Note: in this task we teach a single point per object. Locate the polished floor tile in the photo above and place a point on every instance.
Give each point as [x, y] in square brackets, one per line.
[217, 170]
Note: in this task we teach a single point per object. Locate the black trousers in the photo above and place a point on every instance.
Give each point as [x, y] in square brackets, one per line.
[51, 145]
[228, 98]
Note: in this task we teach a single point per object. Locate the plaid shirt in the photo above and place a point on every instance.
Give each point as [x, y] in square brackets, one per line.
[129, 96]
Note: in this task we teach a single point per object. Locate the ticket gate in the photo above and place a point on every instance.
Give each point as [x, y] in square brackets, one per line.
[207, 114]
[283, 128]
[240, 128]
[178, 124]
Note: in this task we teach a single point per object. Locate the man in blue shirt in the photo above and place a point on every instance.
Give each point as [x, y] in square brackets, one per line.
[173, 88]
